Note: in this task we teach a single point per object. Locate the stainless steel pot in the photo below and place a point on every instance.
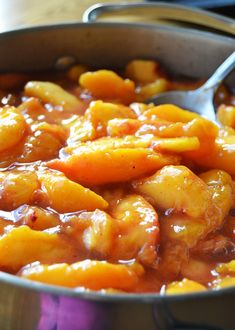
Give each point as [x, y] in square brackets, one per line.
[27, 305]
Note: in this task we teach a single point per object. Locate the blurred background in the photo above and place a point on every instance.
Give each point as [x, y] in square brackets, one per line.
[17, 13]
[225, 7]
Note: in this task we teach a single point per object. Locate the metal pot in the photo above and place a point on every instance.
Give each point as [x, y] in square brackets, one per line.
[30, 305]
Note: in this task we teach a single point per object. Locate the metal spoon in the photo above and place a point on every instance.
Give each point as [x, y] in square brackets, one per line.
[199, 100]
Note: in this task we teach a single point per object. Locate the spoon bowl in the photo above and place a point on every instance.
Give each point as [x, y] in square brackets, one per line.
[199, 100]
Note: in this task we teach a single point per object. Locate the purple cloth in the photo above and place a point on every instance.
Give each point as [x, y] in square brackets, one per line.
[65, 313]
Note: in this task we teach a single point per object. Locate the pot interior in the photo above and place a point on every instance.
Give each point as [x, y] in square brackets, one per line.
[111, 45]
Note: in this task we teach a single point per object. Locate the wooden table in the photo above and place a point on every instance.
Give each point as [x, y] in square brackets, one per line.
[17, 13]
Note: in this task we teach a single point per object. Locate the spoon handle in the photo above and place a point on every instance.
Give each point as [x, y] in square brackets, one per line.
[221, 72]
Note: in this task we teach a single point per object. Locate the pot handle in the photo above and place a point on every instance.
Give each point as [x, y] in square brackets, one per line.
[159, 10]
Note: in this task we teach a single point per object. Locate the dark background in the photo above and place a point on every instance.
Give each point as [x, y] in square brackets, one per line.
[225, 7]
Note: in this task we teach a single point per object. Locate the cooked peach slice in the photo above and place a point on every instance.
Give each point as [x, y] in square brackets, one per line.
[184, 286]
[36, 218]
[110, 160]
[160, 85]
[170, 113]
[98, 237]
[191, 230]
[177, 145]
[106, 143]
[180, 227]
[12, 127]
[137, 226]
[201, 128]
[99, 113]
[59, 131]
[105, 84]
[44, 142]
[140, 108]
[180, 123]
[224, 282]
[226, 115]
[52, 93]
[221, 185]
[65, 195]
[94, 123]
[226, 268]
[81, 130]
[40, 146]
[206, 131]
[23, 245]
[173, 255]
[75, 72]
[92, 233]
[220, 155]
[91, 274]
[17, 188]
[197, 270]
[142, 71]
[100, 166]
[176, 188]
[32, 107]
[121, 127]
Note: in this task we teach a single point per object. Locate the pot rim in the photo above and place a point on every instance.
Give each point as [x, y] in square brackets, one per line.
[103, 296]
[150, 26]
